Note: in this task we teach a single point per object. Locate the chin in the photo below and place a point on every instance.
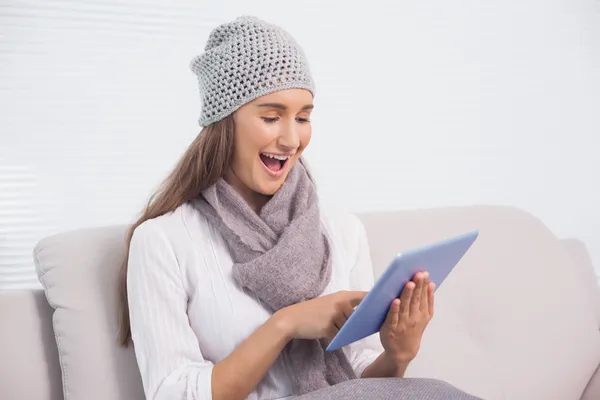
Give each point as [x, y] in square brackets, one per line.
[270, 188]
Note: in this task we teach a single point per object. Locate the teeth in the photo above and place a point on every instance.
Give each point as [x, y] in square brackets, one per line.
[277, 157]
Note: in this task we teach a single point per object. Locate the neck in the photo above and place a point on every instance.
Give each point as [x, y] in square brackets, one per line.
[255, 200]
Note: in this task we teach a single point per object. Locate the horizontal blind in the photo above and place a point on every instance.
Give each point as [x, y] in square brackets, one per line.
[21, 225]
[96, 104]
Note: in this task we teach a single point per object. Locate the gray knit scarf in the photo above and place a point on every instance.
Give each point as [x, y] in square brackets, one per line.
[282, 256]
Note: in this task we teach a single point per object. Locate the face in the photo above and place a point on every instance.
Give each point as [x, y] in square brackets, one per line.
[271, 133]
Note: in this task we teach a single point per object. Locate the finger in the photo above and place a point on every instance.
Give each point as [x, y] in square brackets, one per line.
[339, 321]
[347, 310]
[416, 298]
[355, 297]
[331, 332]
[393, 313]
[343, 311]
[424, 306]
[430, 297]
[406, 296]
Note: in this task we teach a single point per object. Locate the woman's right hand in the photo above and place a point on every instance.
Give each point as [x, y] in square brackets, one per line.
[321, 317]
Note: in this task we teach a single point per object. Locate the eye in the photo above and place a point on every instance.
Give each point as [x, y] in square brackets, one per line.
[270, 120]
[303, 120]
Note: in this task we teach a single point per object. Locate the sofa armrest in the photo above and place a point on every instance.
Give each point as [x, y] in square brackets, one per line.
[29, 367]
[592, 391]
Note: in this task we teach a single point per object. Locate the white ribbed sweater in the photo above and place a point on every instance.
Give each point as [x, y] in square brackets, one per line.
[187, 313]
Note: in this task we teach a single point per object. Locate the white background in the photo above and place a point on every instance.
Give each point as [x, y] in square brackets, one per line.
[419, 104]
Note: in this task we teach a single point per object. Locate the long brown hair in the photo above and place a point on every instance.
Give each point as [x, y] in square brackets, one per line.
[203, 163]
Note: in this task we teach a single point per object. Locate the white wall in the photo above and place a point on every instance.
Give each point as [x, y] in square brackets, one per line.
[419, 104]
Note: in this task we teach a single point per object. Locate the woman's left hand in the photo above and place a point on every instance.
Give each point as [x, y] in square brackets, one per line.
[407, 319]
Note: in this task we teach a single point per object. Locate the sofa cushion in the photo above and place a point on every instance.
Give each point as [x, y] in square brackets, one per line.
[80, 273]
[592, 391]
[513, 320]
[589, 280]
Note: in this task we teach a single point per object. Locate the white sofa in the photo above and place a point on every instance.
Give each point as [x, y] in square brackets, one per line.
[519, 317]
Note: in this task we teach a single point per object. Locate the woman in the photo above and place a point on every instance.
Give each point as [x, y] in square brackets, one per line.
[235, 278]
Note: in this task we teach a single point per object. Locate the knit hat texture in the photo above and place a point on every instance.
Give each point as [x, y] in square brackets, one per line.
[243, 60]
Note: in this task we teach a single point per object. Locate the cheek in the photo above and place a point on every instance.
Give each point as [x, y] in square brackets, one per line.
[248, 150]
[305, 136]
[250, 139]
[256, 135]
[243, 150]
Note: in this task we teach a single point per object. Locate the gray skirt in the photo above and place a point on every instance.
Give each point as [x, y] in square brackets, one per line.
[390, 389]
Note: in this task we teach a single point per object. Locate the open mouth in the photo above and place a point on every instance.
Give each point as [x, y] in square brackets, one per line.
[274, 162]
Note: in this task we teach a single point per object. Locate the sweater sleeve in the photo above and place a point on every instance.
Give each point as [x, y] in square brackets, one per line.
[167, 351]
[363, 352]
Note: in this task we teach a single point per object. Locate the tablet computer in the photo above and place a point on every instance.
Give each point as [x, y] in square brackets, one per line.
[437, 258]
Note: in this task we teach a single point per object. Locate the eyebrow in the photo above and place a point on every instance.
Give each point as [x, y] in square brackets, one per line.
[283, 106]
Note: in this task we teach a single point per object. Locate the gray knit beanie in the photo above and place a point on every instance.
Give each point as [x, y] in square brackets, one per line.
[243, 60]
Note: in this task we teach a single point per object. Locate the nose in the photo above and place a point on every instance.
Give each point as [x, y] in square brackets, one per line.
[289, 137]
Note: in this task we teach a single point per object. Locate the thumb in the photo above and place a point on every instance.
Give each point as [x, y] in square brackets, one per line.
[355, 297]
